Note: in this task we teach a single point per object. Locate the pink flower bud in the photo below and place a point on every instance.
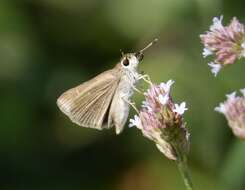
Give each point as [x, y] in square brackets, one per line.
[234, 110]
[161, 121]
[225, 43]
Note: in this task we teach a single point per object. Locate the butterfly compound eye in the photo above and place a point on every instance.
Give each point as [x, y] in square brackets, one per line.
[126, 62]
[139, 56]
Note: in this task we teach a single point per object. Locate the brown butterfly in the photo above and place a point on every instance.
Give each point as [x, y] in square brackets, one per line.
[105, 98]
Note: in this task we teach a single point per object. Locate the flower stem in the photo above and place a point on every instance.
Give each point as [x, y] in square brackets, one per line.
[184, 171]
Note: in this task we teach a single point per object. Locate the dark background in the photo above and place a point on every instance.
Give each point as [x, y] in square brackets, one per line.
[49, 46]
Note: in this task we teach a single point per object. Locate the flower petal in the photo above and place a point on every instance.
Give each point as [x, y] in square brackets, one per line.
[231, 96]
[243, 91]
[215, 68]
[166, 86]
[217, 23]
[206, 52]
[180, 109]
[135, 122]
[221, 108]
[163, 99]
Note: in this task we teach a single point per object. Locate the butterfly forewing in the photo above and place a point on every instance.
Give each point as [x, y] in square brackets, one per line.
[88, 103]
[92, 108]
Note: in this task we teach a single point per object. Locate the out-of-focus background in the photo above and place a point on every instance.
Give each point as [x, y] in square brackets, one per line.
[49, 46]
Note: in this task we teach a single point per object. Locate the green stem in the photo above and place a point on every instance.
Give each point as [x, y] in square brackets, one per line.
[184, 171]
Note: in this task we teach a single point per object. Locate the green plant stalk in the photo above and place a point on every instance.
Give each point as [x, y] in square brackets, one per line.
[184, 170]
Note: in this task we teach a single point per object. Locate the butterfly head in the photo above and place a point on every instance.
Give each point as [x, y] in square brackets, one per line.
[131, 60]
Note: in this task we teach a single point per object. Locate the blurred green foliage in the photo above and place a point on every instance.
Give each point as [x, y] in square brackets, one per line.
[49, 46]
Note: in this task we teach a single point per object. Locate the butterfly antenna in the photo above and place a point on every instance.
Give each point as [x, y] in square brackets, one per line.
[149, 45]
[122, 53]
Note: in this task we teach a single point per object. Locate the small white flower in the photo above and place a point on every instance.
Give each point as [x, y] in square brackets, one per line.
[243, 91]
[206, 52]
[163, 99]
[166, 86]
[180, 109]
[135, 122]
[221, 108]
[217, 23]
[215, 68]
[231, 96]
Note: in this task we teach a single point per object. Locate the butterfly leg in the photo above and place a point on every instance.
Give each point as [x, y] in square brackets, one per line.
[146, 78]
[131, 104]
[137, 90]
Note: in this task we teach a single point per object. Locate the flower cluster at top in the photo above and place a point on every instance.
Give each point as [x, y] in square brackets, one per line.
[225, 43]
[234, 110]
[161, 121]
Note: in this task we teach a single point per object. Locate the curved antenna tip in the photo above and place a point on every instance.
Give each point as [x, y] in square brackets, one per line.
[155, 40]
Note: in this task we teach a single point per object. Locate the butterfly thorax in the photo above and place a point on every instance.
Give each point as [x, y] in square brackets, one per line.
[128, 80]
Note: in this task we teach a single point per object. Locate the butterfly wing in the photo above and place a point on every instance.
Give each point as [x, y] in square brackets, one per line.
[88, 103]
